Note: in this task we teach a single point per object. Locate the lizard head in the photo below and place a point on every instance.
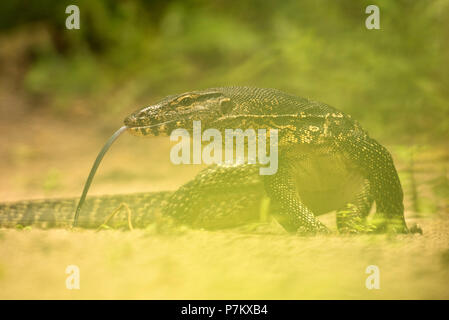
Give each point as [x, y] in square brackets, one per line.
[178, 111]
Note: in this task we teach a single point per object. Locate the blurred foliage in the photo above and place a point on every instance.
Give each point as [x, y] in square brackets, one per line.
[129, 53]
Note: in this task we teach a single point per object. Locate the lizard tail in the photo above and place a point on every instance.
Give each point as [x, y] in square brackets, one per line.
[59, 213]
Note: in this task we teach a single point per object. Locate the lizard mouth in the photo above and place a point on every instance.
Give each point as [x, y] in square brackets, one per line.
[150, 130]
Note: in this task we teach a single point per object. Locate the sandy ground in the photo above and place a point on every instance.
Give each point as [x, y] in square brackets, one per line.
[223, 265]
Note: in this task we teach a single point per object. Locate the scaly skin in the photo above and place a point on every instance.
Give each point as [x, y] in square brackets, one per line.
[58, 213]
[326, 162]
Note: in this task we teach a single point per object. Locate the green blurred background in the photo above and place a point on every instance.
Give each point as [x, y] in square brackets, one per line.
[130, 53]
[63, 92]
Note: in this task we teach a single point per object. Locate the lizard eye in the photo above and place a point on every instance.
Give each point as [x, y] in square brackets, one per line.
[226, 105]
[186, 101]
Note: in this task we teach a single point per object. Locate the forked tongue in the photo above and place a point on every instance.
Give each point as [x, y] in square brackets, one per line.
[97, 163]
[93, 170]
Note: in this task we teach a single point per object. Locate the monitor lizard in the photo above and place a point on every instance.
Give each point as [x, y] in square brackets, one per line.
[327, 162]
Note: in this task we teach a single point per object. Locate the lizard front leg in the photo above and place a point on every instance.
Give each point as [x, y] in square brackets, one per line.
[291, 213]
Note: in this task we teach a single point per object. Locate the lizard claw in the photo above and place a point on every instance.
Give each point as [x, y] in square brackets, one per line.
[415, 228]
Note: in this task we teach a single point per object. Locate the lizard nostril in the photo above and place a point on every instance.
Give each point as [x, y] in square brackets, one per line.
[130, 121]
